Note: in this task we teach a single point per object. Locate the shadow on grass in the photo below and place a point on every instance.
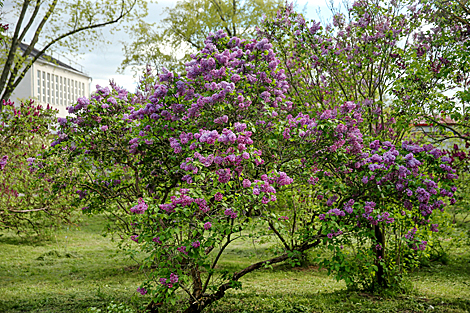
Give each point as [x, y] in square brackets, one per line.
[53, 302]
[338, 301]
[25, 240]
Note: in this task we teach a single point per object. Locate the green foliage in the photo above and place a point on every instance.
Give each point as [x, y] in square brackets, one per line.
[27, 202]
[186, 26]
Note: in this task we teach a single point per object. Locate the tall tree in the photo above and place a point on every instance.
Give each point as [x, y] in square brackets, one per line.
[187, 25]
[68, 24]
[457, 11]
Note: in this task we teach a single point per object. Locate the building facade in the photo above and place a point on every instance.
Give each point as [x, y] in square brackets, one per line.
[50, 81]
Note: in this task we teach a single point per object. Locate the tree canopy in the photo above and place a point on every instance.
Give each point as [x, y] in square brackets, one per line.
[70, 25]
[187, 25]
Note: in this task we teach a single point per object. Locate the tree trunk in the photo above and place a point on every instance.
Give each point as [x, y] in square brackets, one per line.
[380, 255]
[205, 299]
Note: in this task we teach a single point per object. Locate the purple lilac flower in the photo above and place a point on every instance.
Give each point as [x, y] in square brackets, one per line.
[348, 206]
[284, 180]
[140, 208]
[246, 183]
[196, 244]
[313, 180]
[62, 121]
[369, 207]
[224, 175]
[142, 291]
[218, 196]
[231, 213]
[182, 249]
[221, 120]
[331, 200]
[173, 278]
[422, 246]
[411, 233]
[3, 162]
[112, 100]
[207, 225]
[239, 127]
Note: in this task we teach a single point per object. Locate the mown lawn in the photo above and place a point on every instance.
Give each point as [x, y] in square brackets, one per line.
[79, 268]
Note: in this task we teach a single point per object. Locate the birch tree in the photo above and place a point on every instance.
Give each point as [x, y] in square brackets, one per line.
[68, 25]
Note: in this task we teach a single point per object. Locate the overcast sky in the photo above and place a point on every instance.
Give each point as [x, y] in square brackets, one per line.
[102, 63]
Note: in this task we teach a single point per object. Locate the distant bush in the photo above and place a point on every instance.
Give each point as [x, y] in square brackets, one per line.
[27, 203]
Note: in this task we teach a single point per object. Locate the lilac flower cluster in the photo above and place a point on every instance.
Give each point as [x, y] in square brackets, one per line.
[266, 185]
[169, 282]
[334, 234]
[416, 244]
[184, 200]
[401, 171]
[230, 213]
[142, 291]
[3, 162]
[182, 250]
[140, 208]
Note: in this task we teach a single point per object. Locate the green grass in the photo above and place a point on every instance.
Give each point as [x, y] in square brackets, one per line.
[64, 274]
[84, 270]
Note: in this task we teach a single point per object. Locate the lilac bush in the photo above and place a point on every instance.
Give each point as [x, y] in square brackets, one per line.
[375, 53]
[389, 192]
[191, 163]
[27, 204]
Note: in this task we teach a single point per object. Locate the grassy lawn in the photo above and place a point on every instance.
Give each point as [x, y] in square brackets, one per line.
[65, 274]
[79, 268]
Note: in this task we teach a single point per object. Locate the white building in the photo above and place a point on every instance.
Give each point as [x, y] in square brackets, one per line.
[50, 81]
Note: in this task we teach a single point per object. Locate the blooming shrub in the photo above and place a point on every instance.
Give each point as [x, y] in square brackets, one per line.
[196, 162]
[384, 208]
[376, 54]
[26, 201]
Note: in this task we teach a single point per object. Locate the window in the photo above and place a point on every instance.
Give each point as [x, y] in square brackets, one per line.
[79, 89]
[43, 86]
[75, 93]
[61, 92]
[39, 85]
[52, 89]
[71, 91]
[68, 89]
[48, 88]
[83, 89]
[57, 89]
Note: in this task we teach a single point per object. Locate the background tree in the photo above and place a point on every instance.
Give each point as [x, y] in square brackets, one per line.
[449, 42]
[187, 25]
[71, 25]
[456, 12]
